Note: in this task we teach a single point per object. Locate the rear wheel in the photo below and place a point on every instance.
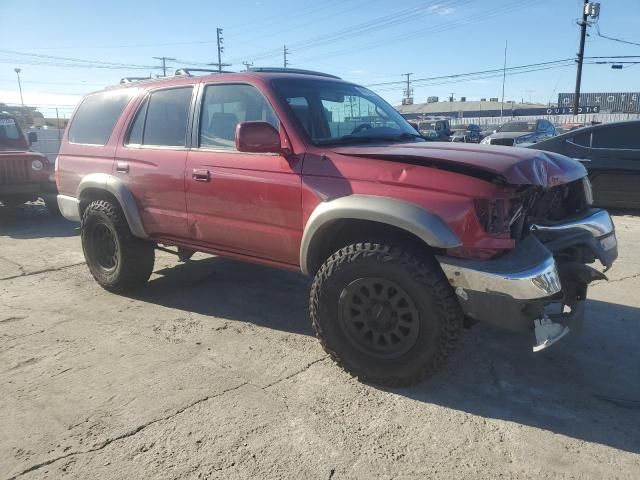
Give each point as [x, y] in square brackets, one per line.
[385, 314]
[117, 260]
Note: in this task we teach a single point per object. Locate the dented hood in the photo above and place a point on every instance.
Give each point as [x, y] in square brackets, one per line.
[515, 166]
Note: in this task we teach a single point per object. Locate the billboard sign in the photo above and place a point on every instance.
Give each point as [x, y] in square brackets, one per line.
[626, 102]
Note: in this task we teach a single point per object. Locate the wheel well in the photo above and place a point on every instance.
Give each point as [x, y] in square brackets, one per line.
[340, 233]
[88, 195]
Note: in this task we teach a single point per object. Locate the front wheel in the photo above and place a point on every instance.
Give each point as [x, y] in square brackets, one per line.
[117, 260]
[385, 314]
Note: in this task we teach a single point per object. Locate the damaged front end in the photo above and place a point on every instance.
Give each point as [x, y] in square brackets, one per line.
[541, 284]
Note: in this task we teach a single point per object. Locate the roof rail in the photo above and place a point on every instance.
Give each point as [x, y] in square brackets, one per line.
[133, 79]
[291, 70]
[187, 71]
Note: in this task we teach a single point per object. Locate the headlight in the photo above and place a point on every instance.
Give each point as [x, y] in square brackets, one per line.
[37, 165]
[486, 141]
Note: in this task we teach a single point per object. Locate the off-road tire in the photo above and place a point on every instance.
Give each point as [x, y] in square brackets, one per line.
[51, 202]
[440, 317]
[133, 257]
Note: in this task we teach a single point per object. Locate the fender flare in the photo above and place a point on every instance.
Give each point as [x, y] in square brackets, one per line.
[427, 226]
[116, 187]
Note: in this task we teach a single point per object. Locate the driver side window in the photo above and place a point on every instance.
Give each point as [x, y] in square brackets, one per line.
[224, 107]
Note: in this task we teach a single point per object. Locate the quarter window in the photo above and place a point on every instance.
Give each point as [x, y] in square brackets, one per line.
[224, 106]
[617, 137]
[96, 116]
[162, 119]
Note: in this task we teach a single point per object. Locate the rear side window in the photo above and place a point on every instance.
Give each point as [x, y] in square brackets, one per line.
[617, 137]
[96, 116]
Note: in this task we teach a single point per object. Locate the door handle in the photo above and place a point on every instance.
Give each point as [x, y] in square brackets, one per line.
[201, 175]
[122, 167]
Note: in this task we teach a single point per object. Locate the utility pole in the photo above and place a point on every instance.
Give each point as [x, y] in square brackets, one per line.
[580, 58]
[589, 10]
[504, 79]
[286, 52]
[164, 61]
[408, 92]
[17, 70]
[220, 50]
[248, 65]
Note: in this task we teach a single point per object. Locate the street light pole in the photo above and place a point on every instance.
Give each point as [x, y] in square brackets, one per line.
[17, 70]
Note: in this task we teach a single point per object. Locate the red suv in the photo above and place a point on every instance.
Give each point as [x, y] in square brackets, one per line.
[25, 175]
[406, 239]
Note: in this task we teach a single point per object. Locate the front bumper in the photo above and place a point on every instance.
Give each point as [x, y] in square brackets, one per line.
[512, 291]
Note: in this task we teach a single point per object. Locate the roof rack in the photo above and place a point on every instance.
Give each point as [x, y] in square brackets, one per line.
[187, 71]
[291, 70]
[133, 79]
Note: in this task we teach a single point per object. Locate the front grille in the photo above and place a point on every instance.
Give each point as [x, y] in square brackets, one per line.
[502, 141]
[14, 170]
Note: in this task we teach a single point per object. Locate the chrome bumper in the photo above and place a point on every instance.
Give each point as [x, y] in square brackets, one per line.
[529, 271]
[69, 207]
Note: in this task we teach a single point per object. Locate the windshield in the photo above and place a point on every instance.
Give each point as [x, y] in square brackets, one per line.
[336, 112]
[518, 127]
[11, 137]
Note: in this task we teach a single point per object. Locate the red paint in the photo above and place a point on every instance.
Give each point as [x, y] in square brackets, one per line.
[255, 205]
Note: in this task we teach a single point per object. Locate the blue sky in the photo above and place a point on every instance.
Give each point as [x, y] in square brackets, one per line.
[365, 41]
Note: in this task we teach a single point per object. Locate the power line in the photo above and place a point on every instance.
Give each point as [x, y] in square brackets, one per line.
[614, 39]
[164, 61]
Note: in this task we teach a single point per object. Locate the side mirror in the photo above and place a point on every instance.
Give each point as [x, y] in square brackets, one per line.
[33, 137]
[257, 137]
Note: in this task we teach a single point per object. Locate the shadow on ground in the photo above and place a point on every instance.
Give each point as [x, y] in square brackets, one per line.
[33, 220]
[586, 387]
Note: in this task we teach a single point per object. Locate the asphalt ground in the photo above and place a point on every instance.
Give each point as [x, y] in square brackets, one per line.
[212, 371]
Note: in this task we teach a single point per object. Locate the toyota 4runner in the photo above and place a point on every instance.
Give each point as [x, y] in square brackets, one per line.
[25, 175]
[407, 240]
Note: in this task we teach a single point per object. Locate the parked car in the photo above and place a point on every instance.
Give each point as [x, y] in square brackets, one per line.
[521, 134]
[25, 175]
[438, 130]
[404, 238]
[611, 154]
[466, 134]
[567, 127]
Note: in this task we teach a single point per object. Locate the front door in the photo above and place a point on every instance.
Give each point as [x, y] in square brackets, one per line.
[152, 161]
[247, 203]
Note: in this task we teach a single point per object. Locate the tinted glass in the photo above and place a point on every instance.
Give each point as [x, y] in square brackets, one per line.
[224, 106]
[135, 134]
[10, 135]
[96, 116]
[619, 136]
[166, 119]
[518, 127]
[583, 139]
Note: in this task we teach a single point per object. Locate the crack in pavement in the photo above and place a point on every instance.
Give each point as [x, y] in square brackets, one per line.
[37, 272]
[128, 434]
[139, 428]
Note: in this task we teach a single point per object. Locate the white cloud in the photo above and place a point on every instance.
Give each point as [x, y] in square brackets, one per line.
[439, 9]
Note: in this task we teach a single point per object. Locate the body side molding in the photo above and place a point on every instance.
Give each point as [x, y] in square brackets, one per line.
[113, 185]
[407, 216]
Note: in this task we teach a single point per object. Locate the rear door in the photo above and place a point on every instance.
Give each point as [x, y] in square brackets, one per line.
[152, 158]
[246, 203]
[614, 165]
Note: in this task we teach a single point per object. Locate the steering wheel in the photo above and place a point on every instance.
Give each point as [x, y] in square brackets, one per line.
[361, 127]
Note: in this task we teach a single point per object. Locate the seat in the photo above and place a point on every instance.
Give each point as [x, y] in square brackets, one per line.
[223, 125]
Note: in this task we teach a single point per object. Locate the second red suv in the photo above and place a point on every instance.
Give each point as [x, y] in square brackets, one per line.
[299, 170]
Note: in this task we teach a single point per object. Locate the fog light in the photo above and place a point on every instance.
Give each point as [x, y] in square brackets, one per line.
[37, 165]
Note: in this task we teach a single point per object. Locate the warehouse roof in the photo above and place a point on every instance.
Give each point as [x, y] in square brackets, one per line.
[470, 106]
